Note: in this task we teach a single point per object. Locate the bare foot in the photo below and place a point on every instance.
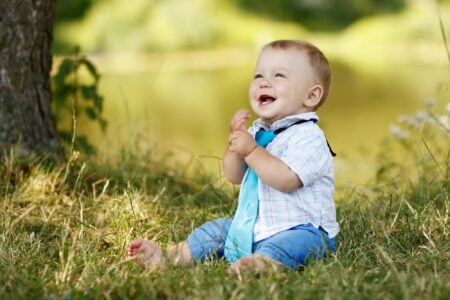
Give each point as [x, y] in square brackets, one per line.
[255, 263]
[147, 254]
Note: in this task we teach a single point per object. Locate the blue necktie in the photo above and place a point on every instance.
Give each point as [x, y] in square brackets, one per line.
[239, 242]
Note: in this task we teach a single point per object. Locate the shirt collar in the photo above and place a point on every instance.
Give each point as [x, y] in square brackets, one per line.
[285, 122]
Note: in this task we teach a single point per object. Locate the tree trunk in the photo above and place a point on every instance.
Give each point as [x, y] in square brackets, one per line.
[26, 33]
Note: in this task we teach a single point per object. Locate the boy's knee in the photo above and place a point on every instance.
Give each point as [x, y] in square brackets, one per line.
[296, 247]
[209, 239]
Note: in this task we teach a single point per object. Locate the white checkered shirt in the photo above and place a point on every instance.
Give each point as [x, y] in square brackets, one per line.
[304, 149]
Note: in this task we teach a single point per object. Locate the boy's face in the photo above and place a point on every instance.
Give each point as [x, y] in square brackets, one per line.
[281, 85]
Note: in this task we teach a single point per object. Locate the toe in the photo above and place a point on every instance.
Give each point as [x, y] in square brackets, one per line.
[136, 243]
[134, 247]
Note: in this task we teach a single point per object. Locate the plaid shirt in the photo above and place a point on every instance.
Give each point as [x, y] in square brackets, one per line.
[304, 149]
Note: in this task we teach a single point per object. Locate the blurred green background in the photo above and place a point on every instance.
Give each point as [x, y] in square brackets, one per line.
[174, 71]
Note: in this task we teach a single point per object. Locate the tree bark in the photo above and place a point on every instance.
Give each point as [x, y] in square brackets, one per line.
[26, 33]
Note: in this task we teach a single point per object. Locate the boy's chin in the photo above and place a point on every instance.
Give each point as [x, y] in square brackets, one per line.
[269, 121]
[269, 117]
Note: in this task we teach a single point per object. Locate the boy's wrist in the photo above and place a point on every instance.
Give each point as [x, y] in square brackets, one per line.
[251, 151]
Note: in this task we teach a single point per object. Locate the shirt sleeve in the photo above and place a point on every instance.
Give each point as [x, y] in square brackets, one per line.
[307, 154]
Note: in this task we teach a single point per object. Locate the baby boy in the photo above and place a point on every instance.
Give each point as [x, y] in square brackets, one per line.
[286, 214]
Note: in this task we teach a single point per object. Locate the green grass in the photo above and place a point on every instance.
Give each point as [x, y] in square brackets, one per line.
[64, 230]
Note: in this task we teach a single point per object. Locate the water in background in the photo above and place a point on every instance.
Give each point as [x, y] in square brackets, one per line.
[183, 106]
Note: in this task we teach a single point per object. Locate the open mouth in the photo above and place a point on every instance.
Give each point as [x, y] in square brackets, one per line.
[266, 99]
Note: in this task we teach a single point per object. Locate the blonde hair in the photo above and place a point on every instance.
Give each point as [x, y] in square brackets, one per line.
[317, 60]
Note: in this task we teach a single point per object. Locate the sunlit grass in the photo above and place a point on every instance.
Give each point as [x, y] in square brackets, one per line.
[64, 234]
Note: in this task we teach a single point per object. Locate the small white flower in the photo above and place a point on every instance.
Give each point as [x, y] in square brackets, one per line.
[444, 121]
[421, 115]
[398, 133]
[75, 155]
[430, 102]
[403, 119]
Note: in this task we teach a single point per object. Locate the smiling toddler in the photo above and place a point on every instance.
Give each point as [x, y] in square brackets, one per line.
[286, 214]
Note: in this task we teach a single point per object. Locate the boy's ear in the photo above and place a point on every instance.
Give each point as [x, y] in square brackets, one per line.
[315, 94]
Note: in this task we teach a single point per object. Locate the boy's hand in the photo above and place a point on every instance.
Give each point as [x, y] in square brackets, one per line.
[238, 120]
[242, 143]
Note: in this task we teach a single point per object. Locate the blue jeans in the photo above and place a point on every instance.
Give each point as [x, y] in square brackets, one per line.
[293, 247]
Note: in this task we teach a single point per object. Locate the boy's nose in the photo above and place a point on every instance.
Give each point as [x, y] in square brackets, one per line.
[264, 83]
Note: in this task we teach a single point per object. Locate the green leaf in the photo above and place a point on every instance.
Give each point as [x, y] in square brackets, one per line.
[64, 90]
[91, 113]
[66, 68]
[82, 144]
[90, 67]
[103, 123]
[88, 92]
[98, 102]
[65, 136]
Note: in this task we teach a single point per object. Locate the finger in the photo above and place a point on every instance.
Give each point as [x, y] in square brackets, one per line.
[231, 137]
[241, 133]
[244, 119]
[242, 112]
[237, 134]
[244, 115]
[240, 125]
[239, 120]
[239, 115]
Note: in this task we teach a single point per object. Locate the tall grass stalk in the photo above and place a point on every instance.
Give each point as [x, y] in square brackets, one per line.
[444, 37]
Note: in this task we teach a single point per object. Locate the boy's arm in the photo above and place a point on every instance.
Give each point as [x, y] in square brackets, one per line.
[234, 167]
[270, 169]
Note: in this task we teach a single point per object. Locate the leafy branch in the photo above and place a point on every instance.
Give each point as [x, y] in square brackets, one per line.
[76, 93]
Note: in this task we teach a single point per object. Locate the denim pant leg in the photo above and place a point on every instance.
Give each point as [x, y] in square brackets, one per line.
[296, 246]
[209, 239]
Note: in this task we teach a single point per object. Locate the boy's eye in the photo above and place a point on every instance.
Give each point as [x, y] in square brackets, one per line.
[279, 75]
[257, 76]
